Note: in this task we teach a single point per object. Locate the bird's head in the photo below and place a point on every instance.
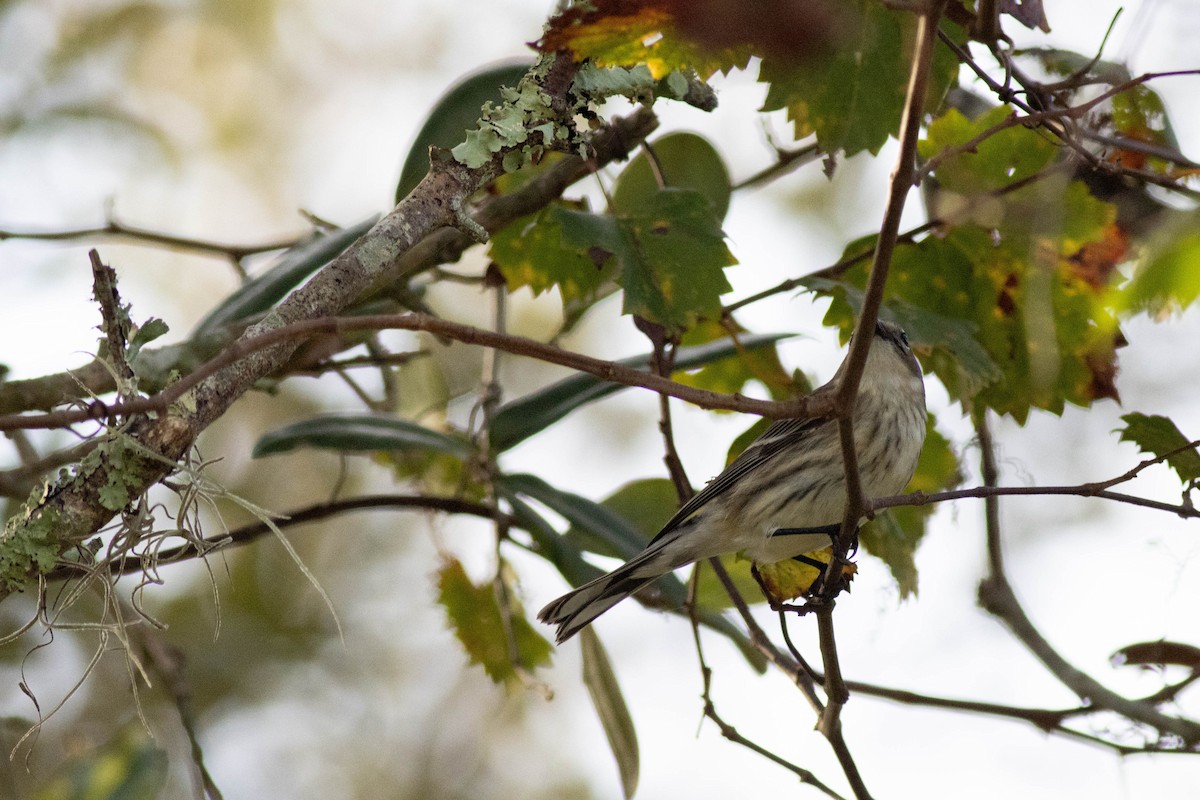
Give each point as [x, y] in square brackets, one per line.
[891, 361]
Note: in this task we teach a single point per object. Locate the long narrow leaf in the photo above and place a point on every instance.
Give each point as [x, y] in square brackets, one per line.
[565, 554]
[360, 433]
[263, 292]
[520, 419]
[621, 538]
[614, 715]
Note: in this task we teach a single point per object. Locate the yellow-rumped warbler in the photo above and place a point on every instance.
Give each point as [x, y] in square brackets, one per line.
[786, 493]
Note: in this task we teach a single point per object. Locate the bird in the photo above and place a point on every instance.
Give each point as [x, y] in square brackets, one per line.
[785, 494]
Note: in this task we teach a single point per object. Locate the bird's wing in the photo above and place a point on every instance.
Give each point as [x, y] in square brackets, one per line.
[781, 435]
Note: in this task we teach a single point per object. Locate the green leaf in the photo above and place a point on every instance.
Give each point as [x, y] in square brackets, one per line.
[665, 248]
[895, 534]
[612, 531]
[530, 252]
[644, 504]
[262, 293]
[1168, 278]
[478, 622]
[731, 374]
[601, 682]
[685, 161]
[1139, 113]
[1157, 435]
[1041, 321]
[564, 554]
[948, 346]
[455, 113]
[853, 97]
[517, 421]
[1001, 159]
[129, 767]
[645, 35]
[669, 250]
[361, 433]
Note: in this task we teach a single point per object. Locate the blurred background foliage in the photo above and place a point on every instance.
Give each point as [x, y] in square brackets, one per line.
[218, 119]
[217, 106]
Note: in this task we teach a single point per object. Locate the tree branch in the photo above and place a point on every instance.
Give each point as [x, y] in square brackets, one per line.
[611, 143]
[148, 448]
[996, 595]
[247, 349]
[118, 230]
[847, 392]
[129, 563]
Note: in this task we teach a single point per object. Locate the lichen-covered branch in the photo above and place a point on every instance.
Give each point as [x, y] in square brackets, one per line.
[131, 459]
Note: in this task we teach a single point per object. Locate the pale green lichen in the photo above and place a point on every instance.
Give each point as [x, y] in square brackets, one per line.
[31, 543]
[508, 126]
[526, 123]
[600, 83]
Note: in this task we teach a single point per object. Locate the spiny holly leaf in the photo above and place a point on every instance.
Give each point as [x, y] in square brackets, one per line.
[670, 254]
[894, 535]
[1158, 436]
[1039, 319]
[627, 33]
[853, 97]
[475, 616]
[530, 252]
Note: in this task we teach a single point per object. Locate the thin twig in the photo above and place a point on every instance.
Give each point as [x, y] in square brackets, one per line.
[132, 562]
[115, 229]
[996, 595]
[900, 185]
[1053, 114]
[169, 662]
[985, 492]
[518, 345]
[785, 162]
[728, 731]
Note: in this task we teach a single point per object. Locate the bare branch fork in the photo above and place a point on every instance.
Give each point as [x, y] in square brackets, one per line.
[996, 595]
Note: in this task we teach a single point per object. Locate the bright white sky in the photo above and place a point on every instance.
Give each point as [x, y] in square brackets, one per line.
[1080, 567]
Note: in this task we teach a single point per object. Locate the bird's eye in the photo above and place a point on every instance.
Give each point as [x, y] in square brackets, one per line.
[904, 338]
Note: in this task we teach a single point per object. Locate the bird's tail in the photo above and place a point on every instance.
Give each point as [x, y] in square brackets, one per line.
[576, 609]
